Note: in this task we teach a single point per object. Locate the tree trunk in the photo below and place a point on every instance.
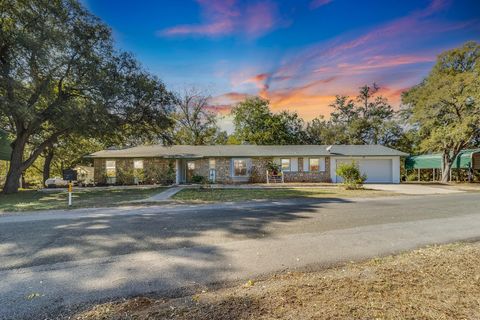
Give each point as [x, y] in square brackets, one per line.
[16, 167]
[447, 167]
[47, 164]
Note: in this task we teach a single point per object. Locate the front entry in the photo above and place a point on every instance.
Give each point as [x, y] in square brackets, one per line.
[190, 171]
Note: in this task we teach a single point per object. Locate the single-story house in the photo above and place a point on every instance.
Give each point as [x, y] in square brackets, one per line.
[243, 163]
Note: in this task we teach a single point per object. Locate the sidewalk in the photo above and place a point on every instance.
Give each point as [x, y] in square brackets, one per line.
[162, 196]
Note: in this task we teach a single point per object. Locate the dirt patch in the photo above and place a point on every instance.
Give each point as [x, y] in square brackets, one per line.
[440, 282]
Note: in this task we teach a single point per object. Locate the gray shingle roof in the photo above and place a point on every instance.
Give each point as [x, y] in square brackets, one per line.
[183, 151]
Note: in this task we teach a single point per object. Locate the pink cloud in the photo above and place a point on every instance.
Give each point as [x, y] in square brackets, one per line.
[222, 18]
[391, 54]
[314, 4]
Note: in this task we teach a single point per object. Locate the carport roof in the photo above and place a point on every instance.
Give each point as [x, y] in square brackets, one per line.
[187, 151]
[434, 161]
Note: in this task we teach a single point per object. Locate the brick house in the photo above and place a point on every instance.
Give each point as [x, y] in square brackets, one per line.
[242, 163]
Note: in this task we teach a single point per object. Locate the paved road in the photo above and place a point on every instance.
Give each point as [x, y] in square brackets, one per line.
[51, 263]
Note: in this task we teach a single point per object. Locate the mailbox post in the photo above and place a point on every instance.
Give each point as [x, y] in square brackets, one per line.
[70, 189]
[70, 176]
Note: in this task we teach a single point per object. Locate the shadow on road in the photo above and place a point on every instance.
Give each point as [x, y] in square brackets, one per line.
[147, 239]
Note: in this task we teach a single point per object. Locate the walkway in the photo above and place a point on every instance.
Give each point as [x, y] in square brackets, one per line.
[163, 196]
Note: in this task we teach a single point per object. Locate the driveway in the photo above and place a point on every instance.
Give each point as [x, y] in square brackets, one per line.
[53, 263]
[414, 189]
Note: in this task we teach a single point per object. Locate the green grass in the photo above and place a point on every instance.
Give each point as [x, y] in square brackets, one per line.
[26, 200]
[221, 195]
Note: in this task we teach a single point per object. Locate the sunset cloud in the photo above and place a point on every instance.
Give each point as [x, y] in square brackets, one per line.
[226, 17]
[308, 80]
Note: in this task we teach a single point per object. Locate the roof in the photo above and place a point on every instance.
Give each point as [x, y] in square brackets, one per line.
[435, 161]
[186, 151]
[5, 149]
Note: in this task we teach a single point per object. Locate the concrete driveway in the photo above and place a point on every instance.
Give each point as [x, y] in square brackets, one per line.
[54, 263]
[414, 189]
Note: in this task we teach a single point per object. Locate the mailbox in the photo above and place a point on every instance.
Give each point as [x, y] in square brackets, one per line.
[70, 175]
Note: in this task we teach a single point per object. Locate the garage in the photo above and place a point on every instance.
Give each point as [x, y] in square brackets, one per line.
[377, 170]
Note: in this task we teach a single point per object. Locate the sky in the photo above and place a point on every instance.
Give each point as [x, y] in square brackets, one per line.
[298, 54]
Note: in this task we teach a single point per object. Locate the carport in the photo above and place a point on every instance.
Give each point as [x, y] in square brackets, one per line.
[465, 164]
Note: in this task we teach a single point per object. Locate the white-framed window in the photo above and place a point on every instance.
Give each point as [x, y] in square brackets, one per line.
[286, 164]
[211, 163]
[111, 168]
[137, 164]
[316, 164]
[239, 167]
[313, 164]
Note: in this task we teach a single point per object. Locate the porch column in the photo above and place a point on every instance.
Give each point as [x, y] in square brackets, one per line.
[177, 171]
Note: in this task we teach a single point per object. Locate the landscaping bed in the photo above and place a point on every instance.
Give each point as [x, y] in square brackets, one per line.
[439, 282]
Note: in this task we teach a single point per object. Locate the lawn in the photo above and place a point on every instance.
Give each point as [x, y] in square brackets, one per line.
[220, 195]
[37, 200]
[439, 282]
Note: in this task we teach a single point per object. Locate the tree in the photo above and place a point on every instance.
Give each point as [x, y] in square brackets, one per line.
[195, 123]
[351, 175]
[445, 106]
[255, 123]
[369, 119]
[60, 75]
[321, 131]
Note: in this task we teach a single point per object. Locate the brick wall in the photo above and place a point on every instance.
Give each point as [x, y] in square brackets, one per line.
[158, 170]
[308, 176]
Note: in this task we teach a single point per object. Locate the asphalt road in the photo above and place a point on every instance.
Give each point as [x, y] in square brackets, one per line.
[52, 263]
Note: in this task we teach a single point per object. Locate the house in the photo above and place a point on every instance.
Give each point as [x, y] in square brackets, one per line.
[243, 163]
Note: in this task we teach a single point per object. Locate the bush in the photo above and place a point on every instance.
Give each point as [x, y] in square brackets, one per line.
[351, 175]
[199, 179]
[125, 176]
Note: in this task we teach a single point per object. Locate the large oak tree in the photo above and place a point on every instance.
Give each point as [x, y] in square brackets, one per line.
[445, 107]
[60, 74]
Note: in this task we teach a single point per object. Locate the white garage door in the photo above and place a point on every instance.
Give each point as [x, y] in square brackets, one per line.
[377, 170]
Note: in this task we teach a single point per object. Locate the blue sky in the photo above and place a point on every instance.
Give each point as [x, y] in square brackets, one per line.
[298, 54]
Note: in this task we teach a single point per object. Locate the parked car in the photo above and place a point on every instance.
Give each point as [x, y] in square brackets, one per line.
[55, 182]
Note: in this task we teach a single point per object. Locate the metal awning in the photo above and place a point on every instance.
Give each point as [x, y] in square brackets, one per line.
[464, 160]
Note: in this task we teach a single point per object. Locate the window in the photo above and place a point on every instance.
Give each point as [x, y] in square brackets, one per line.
[211, 164]
[111, 169]
[138, 164]
[314, 164]
[239, 167]
[191, 165]
[285, 164]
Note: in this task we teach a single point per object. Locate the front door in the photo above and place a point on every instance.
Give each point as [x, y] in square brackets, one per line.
[190, 170]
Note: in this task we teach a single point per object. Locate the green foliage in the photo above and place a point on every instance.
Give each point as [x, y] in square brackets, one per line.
[369, 119]
[351, 175]
[199, 179]
[60, 74]
[160, 174]
[125, 176]
[445, 107]
[256, 124]
[273, 168]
